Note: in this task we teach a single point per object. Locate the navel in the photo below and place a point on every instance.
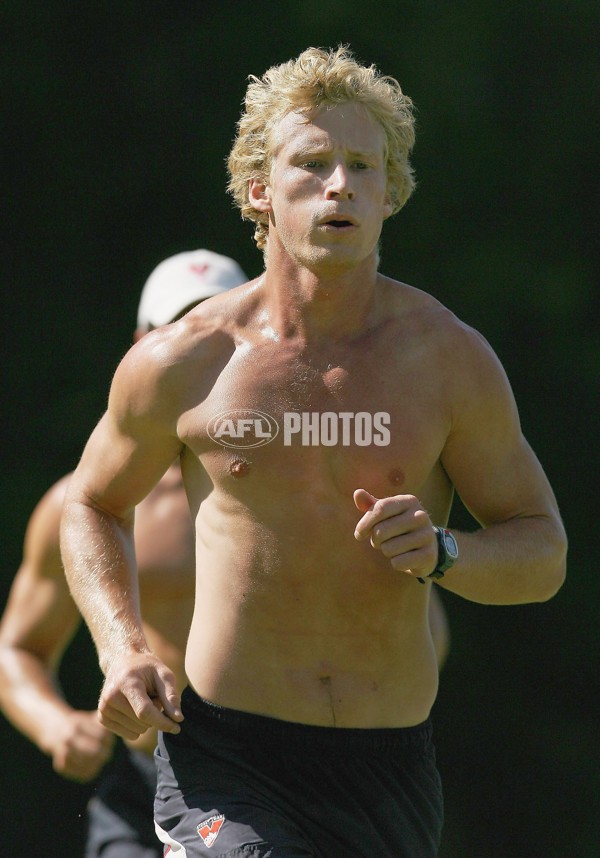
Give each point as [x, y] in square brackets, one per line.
[239, 468]
[396, 477]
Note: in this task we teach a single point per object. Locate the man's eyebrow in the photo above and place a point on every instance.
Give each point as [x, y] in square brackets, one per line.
[312, 149]
[321, 148]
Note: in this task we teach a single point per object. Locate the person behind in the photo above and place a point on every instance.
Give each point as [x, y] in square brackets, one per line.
[324, 415]
[40, 617]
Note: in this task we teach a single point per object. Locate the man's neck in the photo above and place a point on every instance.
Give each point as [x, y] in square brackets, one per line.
[321, 301]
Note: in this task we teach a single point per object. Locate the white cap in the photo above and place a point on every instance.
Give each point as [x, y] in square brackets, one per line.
[183, 280]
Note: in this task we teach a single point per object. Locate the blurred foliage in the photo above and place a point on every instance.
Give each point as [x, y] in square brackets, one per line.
[120, 117]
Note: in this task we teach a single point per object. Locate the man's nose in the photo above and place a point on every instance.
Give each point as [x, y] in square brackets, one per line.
[340, 183]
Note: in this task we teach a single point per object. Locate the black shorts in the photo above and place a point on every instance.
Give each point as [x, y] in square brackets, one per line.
[120, 823]
[237, 784]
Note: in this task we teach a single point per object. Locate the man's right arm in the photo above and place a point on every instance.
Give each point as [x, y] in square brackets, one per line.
[126, 455]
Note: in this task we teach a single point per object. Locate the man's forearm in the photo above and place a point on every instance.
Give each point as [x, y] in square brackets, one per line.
[30, 697]
[515, 562]
[99, 559]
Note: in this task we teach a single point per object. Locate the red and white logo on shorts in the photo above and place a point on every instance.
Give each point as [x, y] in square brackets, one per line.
[209, 830]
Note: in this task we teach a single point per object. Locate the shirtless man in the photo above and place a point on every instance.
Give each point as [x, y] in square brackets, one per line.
[41, 618]
[324, 415]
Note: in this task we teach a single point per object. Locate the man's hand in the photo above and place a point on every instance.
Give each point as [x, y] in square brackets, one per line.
[139, 693]
[401, 529]
[81, 747]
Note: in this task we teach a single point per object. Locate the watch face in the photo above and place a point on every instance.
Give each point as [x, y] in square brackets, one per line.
[451, 546]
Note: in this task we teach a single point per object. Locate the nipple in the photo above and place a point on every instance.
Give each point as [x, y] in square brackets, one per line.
[239, 468]
[396, 477]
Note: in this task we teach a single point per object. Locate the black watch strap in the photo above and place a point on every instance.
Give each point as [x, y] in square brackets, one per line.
[447, 554]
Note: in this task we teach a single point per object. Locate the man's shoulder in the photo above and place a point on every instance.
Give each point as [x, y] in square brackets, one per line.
[208, 329]
[42, 532]
[173, 365]
[409, 303]
[165, 353]
[52, 500]
[433, 323]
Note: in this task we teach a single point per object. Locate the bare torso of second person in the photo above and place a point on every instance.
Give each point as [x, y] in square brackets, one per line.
[164, 542]
[293, 617]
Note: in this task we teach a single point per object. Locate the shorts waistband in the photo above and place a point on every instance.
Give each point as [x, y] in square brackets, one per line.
[275, 730]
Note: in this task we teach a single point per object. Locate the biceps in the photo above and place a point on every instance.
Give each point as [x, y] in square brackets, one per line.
[118, 468]
[497, 475]
[40, 616]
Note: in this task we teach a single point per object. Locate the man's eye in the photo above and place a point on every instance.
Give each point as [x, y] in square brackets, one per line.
[360, 165]
[311, 164]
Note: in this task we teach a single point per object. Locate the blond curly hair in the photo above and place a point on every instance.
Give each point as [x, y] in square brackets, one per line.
[316, 78]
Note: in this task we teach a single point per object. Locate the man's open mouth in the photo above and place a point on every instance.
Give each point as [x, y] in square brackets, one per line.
[338, 223]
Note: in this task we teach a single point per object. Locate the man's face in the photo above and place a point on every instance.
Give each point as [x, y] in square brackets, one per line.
[327, 196]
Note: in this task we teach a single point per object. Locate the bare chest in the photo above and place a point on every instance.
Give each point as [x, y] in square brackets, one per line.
[330, 424]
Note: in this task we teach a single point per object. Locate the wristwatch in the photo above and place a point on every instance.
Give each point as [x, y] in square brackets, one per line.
[447, 553]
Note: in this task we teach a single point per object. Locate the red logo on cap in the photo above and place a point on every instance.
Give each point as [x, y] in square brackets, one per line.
[209, 830]
[200, 268]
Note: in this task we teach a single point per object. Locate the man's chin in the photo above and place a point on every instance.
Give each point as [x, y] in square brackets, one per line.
[344, 258]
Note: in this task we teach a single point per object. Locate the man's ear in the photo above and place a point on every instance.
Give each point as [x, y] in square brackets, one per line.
[259, 195]
[388, 207]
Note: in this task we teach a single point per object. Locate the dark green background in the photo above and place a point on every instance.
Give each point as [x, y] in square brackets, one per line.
[119, 118]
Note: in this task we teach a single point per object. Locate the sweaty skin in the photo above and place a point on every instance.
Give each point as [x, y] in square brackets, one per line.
[307, 607]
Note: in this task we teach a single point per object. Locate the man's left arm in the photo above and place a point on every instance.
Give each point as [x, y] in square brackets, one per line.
[519, 553]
